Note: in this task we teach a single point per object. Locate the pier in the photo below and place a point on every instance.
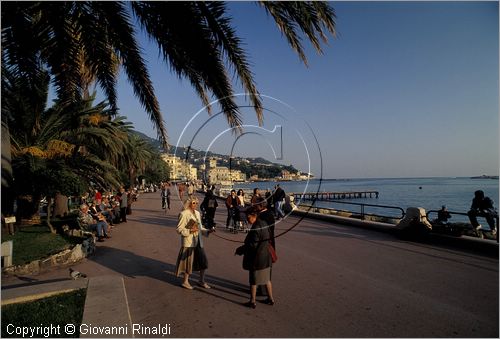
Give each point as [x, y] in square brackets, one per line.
[335, 195]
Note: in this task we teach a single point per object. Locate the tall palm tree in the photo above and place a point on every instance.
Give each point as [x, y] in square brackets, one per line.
[60, 146]
[196, 39]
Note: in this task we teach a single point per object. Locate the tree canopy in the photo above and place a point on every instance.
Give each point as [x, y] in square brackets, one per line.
[73, 40]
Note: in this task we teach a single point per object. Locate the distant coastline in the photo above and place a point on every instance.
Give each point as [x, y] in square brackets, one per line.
[486, 177]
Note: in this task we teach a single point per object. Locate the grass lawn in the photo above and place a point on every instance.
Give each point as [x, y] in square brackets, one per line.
[57, 310]
[36, 242]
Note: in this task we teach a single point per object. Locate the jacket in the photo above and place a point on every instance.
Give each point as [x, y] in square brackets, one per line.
[231, 202]
[209, 200]
[256, 256]
[190, 239]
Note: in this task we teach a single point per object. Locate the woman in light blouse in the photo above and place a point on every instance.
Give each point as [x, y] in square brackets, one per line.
[192, 256]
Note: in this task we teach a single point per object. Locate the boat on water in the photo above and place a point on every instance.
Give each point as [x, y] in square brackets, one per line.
[486, 177]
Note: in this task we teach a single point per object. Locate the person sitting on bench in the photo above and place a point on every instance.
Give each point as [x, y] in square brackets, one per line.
[482, 207]
[87, 222]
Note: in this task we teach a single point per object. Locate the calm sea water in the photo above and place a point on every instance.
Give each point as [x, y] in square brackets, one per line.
[429, 193]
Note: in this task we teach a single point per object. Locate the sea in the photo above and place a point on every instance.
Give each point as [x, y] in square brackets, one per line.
[430, 193]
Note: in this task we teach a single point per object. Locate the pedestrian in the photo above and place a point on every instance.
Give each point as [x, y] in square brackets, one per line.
[255, 196]
[165, 196]
[190, 189]
[130, 199]
[241, 207]
[192, 255]
[123, 204]
[232, 209]
[267, 216]
[182, 189]
[482, 207]
[208, 207]
[278, 198]
[257, 258]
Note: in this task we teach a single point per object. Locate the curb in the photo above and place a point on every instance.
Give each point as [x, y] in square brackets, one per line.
[39, 291]
[482, 246]
[106, 312]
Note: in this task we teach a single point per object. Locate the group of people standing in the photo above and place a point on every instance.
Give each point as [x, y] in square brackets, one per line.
[275, 200]
[257, 258]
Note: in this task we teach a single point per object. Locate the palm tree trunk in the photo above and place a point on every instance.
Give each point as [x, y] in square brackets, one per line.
[49, 207]
[132, 175]
[8, 195]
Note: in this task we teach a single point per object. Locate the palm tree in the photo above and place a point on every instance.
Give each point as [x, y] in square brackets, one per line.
[62, 147]
[138, 153]
[196, 39]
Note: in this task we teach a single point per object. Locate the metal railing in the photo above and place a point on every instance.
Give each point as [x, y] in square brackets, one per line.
[437, 211]
[362, 212]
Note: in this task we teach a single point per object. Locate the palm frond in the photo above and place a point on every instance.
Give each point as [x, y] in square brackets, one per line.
[228, 42]
[121, 35]
[312, 18]
[188, 47]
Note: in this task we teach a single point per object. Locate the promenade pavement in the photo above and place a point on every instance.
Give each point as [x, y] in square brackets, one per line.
[330, 281]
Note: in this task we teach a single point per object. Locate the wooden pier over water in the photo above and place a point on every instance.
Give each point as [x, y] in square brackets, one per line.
[335, 195]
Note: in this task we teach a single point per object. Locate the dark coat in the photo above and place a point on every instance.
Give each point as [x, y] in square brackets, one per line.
[268, 217]
[205, 205]
[279, 194]
[484, 205]
[256, 256]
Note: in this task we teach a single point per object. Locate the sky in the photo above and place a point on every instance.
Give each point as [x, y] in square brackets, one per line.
[407, 89]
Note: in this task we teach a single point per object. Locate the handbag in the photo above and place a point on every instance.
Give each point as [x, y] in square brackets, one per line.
[272, 252]
[240, 250]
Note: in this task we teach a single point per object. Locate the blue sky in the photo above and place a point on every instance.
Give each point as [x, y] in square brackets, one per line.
[408, 89]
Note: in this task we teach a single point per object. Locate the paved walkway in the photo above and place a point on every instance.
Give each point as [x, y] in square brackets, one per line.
[330, 281]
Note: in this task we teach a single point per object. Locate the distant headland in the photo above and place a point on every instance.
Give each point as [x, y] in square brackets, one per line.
[484, 176]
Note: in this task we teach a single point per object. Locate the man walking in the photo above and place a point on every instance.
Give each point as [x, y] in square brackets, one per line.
[279, 197]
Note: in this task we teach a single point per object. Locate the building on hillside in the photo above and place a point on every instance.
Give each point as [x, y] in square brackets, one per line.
[223, 175]
[212, 163]
[180, 169]
[286, 175]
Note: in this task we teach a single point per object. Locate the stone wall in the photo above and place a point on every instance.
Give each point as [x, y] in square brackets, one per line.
[65, 257]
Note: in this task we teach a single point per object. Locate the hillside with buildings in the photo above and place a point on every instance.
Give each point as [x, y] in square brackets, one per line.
[189, 164]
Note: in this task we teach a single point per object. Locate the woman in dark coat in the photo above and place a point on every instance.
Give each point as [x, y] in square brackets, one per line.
[256, 257]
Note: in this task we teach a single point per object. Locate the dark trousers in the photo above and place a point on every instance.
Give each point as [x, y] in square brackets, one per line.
[123, 214]
[234, 214]
[209, 217]
[490, 218]
[165, 202]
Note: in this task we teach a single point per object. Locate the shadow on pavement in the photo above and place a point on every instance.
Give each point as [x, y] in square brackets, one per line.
[132, 265]
[32, 282]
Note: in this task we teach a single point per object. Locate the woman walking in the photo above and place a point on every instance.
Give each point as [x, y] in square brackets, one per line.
[256, 257]
[192, 256]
